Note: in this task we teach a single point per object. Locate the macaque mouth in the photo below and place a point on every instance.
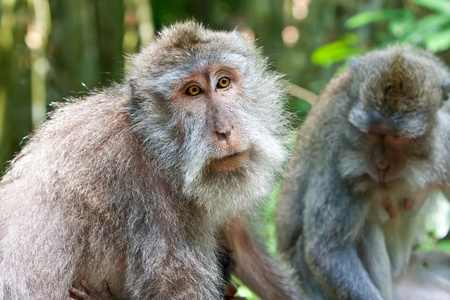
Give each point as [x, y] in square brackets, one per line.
[231, 162]
[382, 174]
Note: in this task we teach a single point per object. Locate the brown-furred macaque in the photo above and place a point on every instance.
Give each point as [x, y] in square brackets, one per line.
[369, 154]
[140, 184]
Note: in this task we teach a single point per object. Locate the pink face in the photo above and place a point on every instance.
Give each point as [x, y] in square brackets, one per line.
[213, 94]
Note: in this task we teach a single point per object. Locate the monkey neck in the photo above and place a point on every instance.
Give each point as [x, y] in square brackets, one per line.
[192, 222]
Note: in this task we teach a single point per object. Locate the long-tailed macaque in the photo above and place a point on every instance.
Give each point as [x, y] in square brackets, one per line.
[369, 155]
[139, 184]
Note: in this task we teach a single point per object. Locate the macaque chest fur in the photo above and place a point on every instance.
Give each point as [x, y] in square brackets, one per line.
[400, 212]
[396, 200]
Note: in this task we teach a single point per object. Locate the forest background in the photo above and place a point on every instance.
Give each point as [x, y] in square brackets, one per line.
[53, 49]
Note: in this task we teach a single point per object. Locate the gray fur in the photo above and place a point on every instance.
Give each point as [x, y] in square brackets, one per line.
[114, 186]
[331, 225]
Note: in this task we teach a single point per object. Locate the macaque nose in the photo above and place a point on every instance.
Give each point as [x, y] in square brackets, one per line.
[227, 137]
[227, 134]
[382, 164]
[224, 128]
[223, 132]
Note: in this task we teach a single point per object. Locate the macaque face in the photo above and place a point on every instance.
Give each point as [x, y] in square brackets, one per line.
[212, 96]
[387, 145]
[212, 122]
[210, 114]
[391, 116]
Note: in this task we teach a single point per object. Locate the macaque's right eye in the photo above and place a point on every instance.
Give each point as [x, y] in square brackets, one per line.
[223, 82]
[193, 90]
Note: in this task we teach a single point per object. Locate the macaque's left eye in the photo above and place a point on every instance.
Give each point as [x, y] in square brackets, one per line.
[223, 82]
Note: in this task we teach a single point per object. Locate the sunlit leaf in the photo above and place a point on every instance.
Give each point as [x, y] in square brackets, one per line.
[336, 51]
[428, 33]
[381, 15]
[436, 5]
[243, 291]
[439, 41]
[432, 23]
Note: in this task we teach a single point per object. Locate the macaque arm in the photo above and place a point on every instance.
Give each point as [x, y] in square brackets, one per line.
[442, 148]
[377, 262]
[255, 268]
[334, 223]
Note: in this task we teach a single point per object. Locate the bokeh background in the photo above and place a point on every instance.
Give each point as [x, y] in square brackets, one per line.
[54, 49]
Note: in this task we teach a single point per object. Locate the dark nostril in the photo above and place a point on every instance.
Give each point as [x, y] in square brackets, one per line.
[223, 132]
[222, 136]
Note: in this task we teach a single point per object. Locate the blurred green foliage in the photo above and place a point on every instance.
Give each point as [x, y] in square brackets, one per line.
[425, 23]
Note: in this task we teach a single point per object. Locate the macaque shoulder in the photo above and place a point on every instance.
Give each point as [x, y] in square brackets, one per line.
[333, 97]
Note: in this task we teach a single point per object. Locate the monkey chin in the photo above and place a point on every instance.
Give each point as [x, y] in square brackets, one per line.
[230, 163]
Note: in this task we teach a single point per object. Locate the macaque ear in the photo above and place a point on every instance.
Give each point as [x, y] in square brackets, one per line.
[249, 37]
[445, 89]
[136, 99]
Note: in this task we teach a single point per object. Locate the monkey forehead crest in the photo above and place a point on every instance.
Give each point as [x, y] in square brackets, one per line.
[399, 80]
[183, 44]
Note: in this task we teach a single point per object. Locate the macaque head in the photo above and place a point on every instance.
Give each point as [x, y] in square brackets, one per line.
[210, 114]
[395, 96]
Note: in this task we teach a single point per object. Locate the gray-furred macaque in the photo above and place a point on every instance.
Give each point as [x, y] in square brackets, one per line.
[369, 154]
[140, 184]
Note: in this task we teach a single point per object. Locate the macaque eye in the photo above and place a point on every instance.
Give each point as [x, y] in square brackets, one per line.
[223, 82]
[193, 90]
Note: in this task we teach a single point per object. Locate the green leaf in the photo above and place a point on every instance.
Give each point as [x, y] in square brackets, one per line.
[442, 6]
[381, 15]
[432, 23]
[438, 42]
[336, 51]
[402, 27]
[430, 32]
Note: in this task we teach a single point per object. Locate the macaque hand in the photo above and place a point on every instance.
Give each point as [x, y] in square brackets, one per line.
[90, 294]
